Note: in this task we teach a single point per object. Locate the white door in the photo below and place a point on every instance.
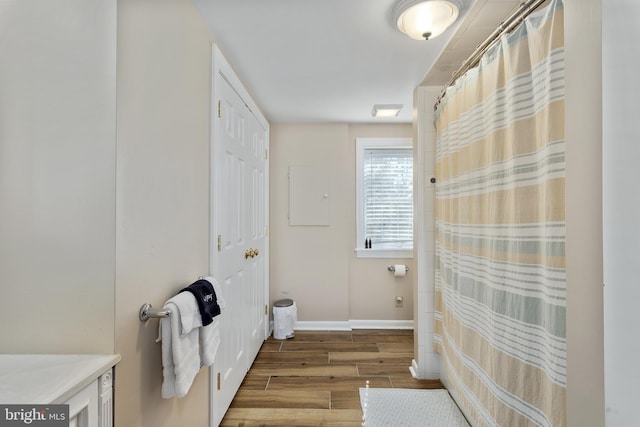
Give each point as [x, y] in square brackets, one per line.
[239, 209]
[257, 312]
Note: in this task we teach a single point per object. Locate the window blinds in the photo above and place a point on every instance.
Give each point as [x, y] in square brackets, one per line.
[388, 197]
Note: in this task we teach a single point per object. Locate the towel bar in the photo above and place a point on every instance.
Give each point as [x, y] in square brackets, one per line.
[146, 313]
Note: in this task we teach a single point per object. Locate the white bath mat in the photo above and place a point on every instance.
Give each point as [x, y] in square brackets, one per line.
[408, 407]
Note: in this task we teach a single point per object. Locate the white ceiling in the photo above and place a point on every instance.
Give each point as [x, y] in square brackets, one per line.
[332, 60]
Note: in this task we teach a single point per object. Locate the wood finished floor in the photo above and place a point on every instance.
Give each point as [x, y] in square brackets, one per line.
[314, 379]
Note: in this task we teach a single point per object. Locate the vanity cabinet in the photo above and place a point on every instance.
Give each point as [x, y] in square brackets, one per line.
[84, 382]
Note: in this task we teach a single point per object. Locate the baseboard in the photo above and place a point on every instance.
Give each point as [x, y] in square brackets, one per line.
[349, 325]
[419, 375]
[321, 326]
[414, 369]
[381, 324]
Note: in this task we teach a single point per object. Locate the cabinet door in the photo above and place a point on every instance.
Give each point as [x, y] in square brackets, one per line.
[83, 407]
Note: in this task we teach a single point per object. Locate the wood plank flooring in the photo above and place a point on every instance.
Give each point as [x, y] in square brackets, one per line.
[314, 379]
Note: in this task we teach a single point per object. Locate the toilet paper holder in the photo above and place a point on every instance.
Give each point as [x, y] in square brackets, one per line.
[393, 268]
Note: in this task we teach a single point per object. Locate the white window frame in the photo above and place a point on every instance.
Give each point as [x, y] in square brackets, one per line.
[363, 144]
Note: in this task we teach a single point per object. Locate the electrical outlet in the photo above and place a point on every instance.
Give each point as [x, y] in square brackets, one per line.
[399, 301]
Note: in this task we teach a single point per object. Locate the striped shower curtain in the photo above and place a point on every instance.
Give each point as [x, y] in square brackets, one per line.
[500, 297]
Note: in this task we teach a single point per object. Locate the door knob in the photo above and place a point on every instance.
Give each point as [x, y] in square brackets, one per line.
[250, 253]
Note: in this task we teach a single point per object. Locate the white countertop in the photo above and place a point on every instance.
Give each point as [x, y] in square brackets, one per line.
[45, 378]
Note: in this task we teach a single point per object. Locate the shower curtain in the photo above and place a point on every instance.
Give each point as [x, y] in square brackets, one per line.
[500, 294]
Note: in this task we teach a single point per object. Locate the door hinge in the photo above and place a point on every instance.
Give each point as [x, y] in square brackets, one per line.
[266, 231]
[266, 154]
[219, 242]
[266, 309]
[219, 109]
[218, 380]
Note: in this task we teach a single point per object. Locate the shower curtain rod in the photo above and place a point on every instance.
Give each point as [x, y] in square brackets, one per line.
[526, 7]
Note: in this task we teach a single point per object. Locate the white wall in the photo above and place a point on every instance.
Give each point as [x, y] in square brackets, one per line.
[57, 176]
[372, 288]
[309, 263]
[162, 237]
[316, 265]
[583, 186]
[621, 209]
[77, 257]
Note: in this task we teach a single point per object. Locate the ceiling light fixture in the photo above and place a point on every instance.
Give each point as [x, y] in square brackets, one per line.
[425, 19]
[386, 110]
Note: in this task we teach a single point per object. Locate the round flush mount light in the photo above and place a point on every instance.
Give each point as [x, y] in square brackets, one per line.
[424, 19]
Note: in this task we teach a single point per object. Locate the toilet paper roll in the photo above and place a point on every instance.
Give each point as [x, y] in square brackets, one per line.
[400, 270]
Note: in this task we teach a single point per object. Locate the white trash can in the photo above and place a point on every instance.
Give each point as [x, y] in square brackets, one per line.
[285, 314]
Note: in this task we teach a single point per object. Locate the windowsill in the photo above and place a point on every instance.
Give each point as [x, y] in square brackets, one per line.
[384, 253]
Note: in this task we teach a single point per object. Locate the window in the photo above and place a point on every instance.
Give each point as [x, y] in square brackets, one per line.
[384, 183]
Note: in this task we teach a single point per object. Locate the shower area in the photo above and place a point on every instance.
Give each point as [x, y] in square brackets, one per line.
[500, 267]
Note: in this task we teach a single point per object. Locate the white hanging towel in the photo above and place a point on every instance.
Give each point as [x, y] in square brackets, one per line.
[186, 344]
[208, 336]
[180, 345]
